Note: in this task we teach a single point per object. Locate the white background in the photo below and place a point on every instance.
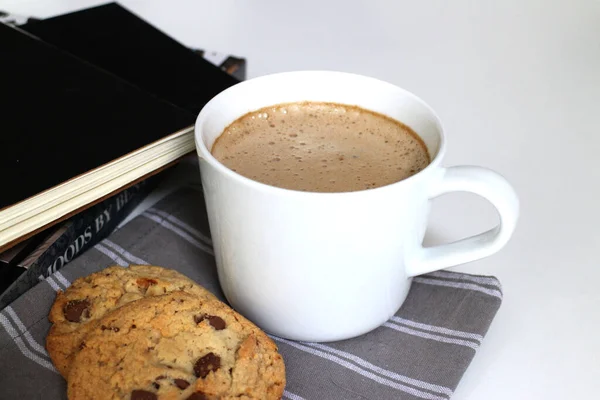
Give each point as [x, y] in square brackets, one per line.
[517, 85]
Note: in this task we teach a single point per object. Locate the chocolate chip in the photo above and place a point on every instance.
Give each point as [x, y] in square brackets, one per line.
[143, 395]
[213, 320]
[216, 322]
[206, 364]
[115, 329]
[103, 327]
[158, 378]
[181, 383]
[197, 396]
[156, 385]
[75, 309]
[81, 345]
[133, 326]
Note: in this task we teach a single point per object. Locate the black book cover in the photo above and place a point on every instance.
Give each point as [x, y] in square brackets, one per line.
[63, 116]
[118, 41]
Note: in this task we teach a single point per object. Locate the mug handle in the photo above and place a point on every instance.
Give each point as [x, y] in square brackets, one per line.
[489, 185]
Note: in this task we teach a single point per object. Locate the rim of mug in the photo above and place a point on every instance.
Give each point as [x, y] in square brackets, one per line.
[204, 153]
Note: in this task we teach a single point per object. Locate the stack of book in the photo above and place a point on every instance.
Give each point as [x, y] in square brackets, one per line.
[95, 104]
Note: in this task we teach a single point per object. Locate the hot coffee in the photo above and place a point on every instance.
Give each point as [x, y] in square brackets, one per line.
[321, 147]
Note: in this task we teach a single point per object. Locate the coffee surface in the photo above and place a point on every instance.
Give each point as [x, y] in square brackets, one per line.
[320, 147]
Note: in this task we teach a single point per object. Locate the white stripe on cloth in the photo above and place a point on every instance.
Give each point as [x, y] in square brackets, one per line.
[179, 232]
[34, 345]
[22, 348]
[459, 285]
[52, 284]
[438, 329]
[130, 257]
[61, 278]
[431, 336]
[360, 371]
[390, 374]
[111, 255]
[181, 224]
[291, 396]
[484, 280]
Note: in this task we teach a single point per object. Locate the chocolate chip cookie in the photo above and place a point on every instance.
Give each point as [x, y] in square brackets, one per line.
[176, 346]
[77, 311]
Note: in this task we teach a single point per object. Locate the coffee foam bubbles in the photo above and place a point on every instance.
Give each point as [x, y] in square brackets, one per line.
[320, 147]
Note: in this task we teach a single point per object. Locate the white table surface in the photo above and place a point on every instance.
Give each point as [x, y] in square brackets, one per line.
[517, 85]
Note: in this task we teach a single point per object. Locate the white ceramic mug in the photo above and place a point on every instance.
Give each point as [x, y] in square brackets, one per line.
[330, 266]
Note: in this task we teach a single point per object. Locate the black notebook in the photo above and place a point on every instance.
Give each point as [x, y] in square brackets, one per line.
[72, 133]
[113, 38]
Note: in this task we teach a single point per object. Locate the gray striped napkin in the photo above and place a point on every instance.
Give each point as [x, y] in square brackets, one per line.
[420, 353]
